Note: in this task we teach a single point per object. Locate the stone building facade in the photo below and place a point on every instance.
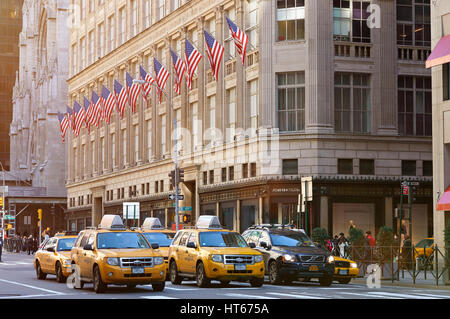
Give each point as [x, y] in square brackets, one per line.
[320, 95]
[40, 91]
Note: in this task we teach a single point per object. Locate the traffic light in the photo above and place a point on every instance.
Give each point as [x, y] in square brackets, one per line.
[8, 226]
[39, 214]
[186, 218]
[1, 201]
[172, 178]
[180, 177]
[412, 194]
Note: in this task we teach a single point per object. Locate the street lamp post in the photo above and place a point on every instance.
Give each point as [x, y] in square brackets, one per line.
[176, 146]
[3, 203]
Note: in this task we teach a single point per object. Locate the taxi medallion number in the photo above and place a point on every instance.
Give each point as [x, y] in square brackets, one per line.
[137, 270]
[239, 267]
[313, 268]
[343, 271]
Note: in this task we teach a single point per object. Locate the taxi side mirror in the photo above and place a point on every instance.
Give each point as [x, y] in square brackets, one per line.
[88, 247]
[191, 245]
[51, 249]
[252, 245]
[154, 245]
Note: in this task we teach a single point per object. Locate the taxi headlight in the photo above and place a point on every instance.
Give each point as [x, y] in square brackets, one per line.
[353, 265]
[258, 258]
[288, 258]
[113, 261]
[330, 259]
[67, 262]
[217, 258]
[158, 260]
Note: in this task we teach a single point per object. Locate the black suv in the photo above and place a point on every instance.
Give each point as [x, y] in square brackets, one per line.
[290, 254]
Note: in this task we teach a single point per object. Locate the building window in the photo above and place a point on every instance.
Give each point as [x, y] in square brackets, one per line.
[122, 25]
[291, 101]
[366, 167]
[91, 47]
[245, 170]
[230, 47]
[161, 186]
[409, 168]
[252, 23]
[205, 178]
[427, 168]
[231, 173]
[147, 13]
[446, 80]
[112, 33]
[231, 101]
[83, 10]
[211, 176]
[252, 169]
[149, 139]
[253, 99]
[101, 40]
[156, 187]
[414, 106]
[352, 102]
[74, 59]
[134, 18]
[345, 166]
[91, 5]
[160, 9]
[83, 52]
[224, 174]
[290, 167]
[413, 22]
[350, 20]
[290, 20]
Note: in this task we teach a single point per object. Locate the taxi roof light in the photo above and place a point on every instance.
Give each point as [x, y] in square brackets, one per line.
[152, 223]
[111, 222]
[208, 222]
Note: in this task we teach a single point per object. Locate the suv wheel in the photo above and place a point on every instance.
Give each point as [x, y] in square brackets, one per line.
[257, 282]
[202, 279]
[158, 286]
[59, 275]
[99, 285]
[39, 273]
[327, 280]
[174, 278]
[274, 273]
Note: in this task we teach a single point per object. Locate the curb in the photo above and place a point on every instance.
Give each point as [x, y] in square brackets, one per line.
[404, 284]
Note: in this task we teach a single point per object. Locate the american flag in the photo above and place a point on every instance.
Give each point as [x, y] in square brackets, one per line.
[63, 125]
[215, 53]
[161, 76]
[148, 82]
[70, 117]
[121, 97]
[133, 92]
[192, 57]
[109, 101]
[80, 117]
[89, 113]
[97, 107]
[240, 39]
[180, 68]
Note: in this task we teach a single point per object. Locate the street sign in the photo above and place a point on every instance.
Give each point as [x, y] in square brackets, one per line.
[173, 197]
[307, 189]
[8, 217]
[405, 190]
[185, 208]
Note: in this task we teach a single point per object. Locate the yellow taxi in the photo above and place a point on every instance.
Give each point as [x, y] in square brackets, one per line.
[423, 248]
[54, 257]
[344, 270]
[154, 232]
[209, 252]
[113, 254]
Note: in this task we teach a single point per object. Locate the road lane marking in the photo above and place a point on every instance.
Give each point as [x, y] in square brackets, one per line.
[158, 297]
[28, 296]
[181, 289]
[431, 295]
[398, 295]
[32, 287]
[299, 296]
[245, 296]
[23, 263]
[366, 295]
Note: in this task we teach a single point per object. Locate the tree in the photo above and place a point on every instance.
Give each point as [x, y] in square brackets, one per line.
[319, 235]
[385, 242]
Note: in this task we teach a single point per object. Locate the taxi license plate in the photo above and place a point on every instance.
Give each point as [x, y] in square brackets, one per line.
[137, 270]
[240, 267]
[313, 268]
[343, 271]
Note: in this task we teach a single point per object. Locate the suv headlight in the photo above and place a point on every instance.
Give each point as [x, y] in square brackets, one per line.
[113, 261]
[258, 258]
[353, 265]
[217, 258]
[330, 259]
[158, 260]
[288, 258]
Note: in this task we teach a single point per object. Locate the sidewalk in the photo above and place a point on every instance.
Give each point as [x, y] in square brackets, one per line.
[407, 281]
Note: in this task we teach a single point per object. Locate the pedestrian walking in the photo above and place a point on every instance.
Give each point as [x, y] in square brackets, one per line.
[30, 243]
[406, 253]
[351, 226]
[1, 247]
[343, 246]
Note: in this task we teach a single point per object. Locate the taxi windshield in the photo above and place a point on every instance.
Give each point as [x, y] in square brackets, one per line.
[221, 239]
[121, 240]
[291, 239]
[66, 244]
[162, 239]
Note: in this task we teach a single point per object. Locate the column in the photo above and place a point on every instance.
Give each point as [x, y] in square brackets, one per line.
[238, 216]
[388, 209]
[324, 212]
[217, 209]
[201, 80]
[259, 217]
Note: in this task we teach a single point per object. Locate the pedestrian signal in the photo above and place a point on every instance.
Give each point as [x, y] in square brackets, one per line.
[187, 218]
[39, 214]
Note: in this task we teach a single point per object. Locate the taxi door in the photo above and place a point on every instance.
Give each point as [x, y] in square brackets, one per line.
[181, 251]
[89, 257]
[81, 255]
[191, 254]
[53, 257]
[46, 255]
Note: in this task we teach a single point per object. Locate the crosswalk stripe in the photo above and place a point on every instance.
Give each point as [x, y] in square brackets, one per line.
[298, 296]
[366, 295]
[245, 296]
[398, 295]
[431, 295]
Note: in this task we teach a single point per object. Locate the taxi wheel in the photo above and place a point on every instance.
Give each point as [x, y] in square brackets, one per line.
[174, 278]
[39, 273]
[59, 275]
[158, 286]
[326, 281]
[274, 274]
[99, 285]
[344, 280]
[257, 282]
[202, 279]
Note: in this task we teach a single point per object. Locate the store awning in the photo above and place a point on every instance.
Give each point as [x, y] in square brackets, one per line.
[444, 201]
[440, 54]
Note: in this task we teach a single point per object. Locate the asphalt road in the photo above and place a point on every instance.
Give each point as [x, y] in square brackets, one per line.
[18, 281]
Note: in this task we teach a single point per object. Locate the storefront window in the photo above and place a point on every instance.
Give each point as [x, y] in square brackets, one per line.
[290, 20]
